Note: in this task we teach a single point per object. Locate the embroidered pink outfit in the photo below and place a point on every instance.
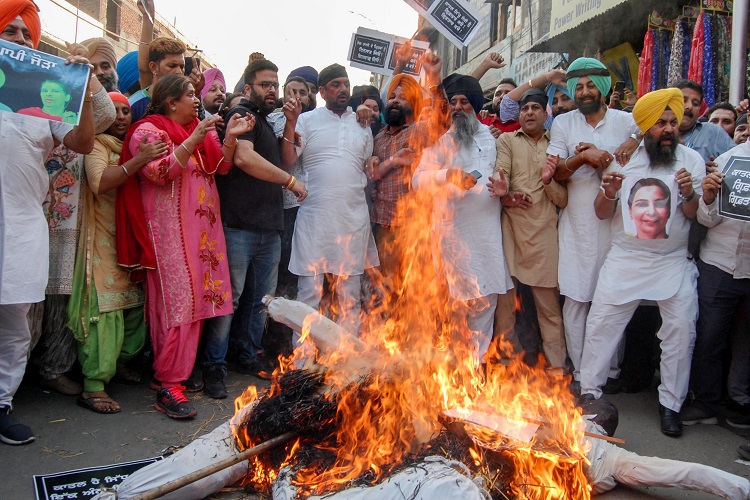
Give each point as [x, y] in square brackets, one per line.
[191, 279]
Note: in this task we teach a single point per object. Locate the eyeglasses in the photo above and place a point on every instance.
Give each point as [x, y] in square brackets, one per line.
[268, 85]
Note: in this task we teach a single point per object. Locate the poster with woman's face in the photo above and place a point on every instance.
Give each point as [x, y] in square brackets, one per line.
[648, 206]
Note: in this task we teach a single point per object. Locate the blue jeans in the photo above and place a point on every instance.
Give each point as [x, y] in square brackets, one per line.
[253, 258]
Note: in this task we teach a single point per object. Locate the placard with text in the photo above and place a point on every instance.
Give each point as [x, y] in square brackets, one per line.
[734, 196]
[376, 51]
[456, 20]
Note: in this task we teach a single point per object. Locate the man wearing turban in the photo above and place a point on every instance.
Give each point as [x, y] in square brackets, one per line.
[583, 143]
[662, 186]
[398, 149]
[24, 237]
[214, 90]
[466, 219]
[104, 59]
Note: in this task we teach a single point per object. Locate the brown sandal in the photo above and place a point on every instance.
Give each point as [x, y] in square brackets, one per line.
[94, 404]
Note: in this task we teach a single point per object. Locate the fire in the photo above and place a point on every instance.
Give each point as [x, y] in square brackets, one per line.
[421, 364]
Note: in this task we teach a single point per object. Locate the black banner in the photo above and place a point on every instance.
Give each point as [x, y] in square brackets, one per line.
[414, 66]
[455, 18]
[734, 196]
[369, 51]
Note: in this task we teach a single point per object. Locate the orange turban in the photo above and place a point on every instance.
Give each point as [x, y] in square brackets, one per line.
[411, 89]
[651, 106]
[11, 9]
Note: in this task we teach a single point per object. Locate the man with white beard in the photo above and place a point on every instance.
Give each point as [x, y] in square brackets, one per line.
[466, 219]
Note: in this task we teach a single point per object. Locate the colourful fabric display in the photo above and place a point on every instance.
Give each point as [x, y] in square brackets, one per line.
[644, 69]
[695, 71]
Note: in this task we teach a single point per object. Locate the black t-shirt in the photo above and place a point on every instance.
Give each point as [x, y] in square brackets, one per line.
[246, 202]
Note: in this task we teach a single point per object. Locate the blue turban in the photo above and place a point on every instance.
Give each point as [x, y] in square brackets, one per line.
[467, 86]
[552, 88]
[592, 68]
[127, 70]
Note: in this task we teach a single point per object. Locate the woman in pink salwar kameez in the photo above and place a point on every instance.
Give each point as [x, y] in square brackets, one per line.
[190, 281]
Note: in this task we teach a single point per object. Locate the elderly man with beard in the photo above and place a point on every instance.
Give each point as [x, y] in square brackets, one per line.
[530, 226]
[466, 219]
[251, 203]
[583, 143]
[398, 149]
[332, 234]
[652, 269]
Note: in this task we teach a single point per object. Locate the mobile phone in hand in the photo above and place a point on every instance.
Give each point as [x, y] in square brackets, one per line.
[190, 63]
[620, 88]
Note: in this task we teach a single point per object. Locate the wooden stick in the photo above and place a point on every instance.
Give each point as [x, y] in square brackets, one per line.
[604, 438]
[178, 483]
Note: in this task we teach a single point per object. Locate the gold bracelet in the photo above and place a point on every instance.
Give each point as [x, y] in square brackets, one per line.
[291, 183]
[530, 85]
[565, 164]
[236, 141]
[89, 97]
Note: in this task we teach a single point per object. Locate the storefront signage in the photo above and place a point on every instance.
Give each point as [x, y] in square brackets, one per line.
[622, 64]
[734, 196]
[532, 64]
[567, 14]
[456, 20]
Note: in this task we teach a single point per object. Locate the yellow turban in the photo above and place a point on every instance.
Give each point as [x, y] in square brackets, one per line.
[651, 106]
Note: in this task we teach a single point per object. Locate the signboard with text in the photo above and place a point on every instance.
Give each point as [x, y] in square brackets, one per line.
[734, 196]
[532, 64]
[567, 14]
[375, 51]
[456, 20]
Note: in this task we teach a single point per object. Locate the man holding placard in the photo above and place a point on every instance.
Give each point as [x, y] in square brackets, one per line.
[648, 265]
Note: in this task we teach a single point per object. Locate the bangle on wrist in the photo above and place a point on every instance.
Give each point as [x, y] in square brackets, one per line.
[186, 149]
[687, 199]
[287, 140]
[604, 192]
[531, 86]
[236, 141]
[292, 180]
[125, 170]
[565, 165]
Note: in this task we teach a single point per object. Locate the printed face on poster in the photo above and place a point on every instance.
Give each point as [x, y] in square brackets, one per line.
[41, 85]
[376, 51]
[456, 20]
[648, 206]
[734, 196]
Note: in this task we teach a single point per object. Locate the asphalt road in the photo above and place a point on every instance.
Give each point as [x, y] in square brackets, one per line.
[70, 437]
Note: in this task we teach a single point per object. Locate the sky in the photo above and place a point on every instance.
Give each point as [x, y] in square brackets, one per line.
[290, 33]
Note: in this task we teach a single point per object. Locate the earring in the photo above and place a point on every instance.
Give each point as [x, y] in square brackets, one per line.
[174, 108]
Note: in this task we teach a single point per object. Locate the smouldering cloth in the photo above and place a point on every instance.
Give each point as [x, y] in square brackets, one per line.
[411, 89]
[118, 97]
[468, 86]
[651, 106]
[11, 9]
[533, 95]
[127, 70]
[103, 47]
[331, 73]
[592, 68]
[212, 75]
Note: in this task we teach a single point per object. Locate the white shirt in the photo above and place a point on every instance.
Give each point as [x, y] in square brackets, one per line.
[466, 223]
[584, 239]
[332, 233]
[648, 269]
[26, 142]
[727, 239]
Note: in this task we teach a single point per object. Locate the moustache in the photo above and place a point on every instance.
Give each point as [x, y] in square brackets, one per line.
[688, 113]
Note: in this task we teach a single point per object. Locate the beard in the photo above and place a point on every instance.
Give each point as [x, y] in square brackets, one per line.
[109, 82]
[465, 126]
[660, 156]
[395, 115]
[264, 108]
[589, 107]
[562, 111]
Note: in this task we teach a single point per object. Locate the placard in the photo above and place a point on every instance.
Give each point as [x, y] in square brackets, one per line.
[41, 85]
[376, 51]
[649, 206]
[418, 50]
[734, 195]
[85, 483]
[456, 20]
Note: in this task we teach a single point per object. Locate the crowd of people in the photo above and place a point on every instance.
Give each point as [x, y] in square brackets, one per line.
[185, 205]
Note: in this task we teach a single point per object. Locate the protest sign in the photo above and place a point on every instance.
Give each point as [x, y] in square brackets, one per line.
[649, 206]
[41, 85]
[375, 51]
[82, 483]
[456, 20]
[734, 196]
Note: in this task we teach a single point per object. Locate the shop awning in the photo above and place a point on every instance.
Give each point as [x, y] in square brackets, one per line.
[584, 26]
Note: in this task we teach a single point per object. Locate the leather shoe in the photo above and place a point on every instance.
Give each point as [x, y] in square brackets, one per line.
[671, 425]
[63, 385]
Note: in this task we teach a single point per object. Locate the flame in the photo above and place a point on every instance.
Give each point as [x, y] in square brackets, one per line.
[422, 363]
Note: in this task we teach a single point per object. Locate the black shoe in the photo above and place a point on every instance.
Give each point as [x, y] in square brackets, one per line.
[194, 383]
[258, 366]
[739, 422]
[213, 377]
[698, 413]
[741, 408]
[671, 425]
[12, 431]
[744, 451]
[612, 386]
[173, 402]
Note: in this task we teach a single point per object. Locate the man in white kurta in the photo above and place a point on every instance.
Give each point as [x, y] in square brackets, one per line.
[466, 219]
[584, 239]
[655, 268]
[332, 234]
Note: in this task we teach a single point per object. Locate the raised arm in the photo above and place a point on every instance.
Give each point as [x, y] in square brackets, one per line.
[148, 11]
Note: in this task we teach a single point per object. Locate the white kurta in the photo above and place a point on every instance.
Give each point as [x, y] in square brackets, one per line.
[24, 253]
[332, 233]
[649, 269]
[466, 223]
[584, 239]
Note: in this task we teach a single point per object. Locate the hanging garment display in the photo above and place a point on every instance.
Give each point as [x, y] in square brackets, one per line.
[674, 73]
[695, 70]
[708, 73]
[644, 69]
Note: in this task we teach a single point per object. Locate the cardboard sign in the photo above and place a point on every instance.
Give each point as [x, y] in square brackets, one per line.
[37, 84]
[734, 195]
[376, 51]
[85, 483]
[456, 20]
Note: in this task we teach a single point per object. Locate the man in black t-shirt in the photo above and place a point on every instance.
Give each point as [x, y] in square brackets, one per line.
[252, 213]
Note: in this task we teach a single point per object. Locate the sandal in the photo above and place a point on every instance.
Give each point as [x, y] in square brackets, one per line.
[94, 404]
